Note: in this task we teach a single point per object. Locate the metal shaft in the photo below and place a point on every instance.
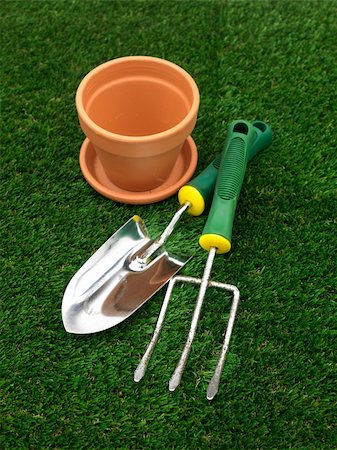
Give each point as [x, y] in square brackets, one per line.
[173, 222]
[176, 377]
[166, 233]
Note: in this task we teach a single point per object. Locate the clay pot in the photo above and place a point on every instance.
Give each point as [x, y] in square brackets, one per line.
[137, 112]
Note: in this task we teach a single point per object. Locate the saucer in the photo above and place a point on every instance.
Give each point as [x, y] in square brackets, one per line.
[181, 173]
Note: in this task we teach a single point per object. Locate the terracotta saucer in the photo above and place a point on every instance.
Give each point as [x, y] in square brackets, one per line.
[182, 172]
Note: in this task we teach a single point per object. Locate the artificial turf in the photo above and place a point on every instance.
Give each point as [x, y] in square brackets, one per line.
[268, 60]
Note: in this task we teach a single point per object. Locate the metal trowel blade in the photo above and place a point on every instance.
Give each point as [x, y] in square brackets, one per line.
[111, 285]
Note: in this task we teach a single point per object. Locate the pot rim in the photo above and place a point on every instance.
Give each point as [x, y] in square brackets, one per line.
[147, 138]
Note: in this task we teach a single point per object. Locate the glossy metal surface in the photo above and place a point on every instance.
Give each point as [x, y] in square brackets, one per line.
[116, 281]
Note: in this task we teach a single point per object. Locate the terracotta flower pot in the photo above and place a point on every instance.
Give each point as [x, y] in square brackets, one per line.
[137, 112]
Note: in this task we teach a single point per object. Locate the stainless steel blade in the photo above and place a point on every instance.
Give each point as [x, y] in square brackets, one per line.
[116, 280]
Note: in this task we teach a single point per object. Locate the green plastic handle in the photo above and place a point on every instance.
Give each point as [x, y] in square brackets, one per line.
[199, 191]
[263, 138]
[218, 229]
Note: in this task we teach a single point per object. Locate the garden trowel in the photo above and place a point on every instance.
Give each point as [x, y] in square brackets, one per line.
[117, 279]
[130, 267]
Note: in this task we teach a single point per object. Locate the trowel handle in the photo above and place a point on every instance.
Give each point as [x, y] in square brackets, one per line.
[218, 229]
[262, 139]
[199, 191]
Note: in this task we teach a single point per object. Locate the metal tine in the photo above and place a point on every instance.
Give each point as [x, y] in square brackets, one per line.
[176, 377]
[141, 369]
[214, 383]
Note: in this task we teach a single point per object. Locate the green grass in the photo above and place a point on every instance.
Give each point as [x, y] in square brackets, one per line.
[272, 60]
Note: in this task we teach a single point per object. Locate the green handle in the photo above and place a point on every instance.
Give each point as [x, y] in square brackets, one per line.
[263, 138]
[199, 191]
[218, 229]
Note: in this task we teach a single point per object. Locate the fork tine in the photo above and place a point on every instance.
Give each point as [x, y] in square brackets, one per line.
[214, 383]
[176, 377]
[141, 369]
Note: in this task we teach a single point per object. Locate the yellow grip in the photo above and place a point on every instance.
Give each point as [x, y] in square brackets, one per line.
[223, 245]
[192, 195]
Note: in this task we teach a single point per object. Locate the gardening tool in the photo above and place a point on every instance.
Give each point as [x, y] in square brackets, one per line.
[130, 267]
[216, 238]
[195, 196]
